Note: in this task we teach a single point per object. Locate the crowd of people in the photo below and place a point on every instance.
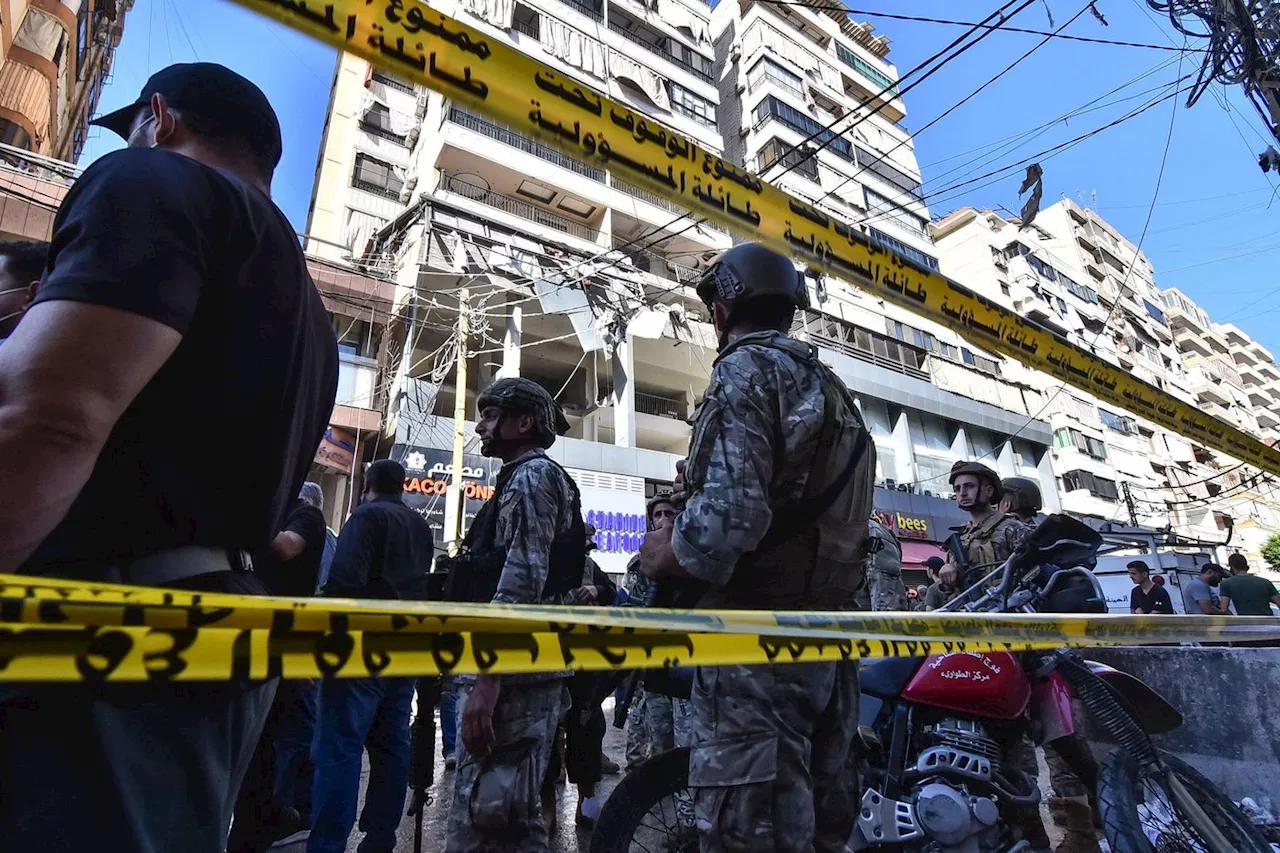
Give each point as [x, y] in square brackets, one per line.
[174, 300]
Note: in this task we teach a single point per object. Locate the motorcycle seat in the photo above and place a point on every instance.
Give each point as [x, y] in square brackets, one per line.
[886, 679]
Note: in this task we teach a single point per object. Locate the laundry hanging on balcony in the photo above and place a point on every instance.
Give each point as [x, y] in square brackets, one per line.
[496, 12]
[575, 48]
[377, 112]
[651, 84]
[762, 35]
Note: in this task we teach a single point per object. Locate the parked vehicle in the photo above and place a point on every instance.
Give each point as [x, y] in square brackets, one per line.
[934, 731]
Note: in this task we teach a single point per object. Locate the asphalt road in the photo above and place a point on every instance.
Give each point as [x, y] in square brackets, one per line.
[566, 838]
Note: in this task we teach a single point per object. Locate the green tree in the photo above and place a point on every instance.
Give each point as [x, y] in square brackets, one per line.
[1271, 550]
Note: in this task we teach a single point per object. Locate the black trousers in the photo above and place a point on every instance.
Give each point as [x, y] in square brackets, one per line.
[584, 730]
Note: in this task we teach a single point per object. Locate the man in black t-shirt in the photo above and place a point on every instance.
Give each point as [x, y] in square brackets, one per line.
[291, 564]
[1147, 596]
[175, 314]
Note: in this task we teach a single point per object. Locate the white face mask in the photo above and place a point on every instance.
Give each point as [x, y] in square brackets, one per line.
[145, 122]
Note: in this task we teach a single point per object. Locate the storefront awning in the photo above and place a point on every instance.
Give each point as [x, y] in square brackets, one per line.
[915, 553]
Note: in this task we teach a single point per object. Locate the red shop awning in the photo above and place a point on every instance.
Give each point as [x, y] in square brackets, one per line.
[915, 553]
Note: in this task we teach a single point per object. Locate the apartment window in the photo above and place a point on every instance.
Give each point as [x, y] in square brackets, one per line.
[911, 253]
[879, 165]
[866, 69]
[1079, 291]
[879, 205]
[1004, 288]
[771, 107]
[795, 161]
[1067, 437]
[1099, 487]
[690, 58]
[392, 82]
[692, 105]
[1155, 313]
[376, 177]
[353, 335]
[527, 21]
[12, 134]
[377, 121]
[981, 362]
[770, 71]
[921, 339]
[1118, 423]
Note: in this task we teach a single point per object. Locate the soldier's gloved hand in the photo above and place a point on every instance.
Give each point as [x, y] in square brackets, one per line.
[477, 715]
[678, 494]
[949, 575]
[583, 595]
[657, 560]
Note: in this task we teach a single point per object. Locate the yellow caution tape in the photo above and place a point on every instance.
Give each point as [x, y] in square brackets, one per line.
[57, 630]
[415, 42]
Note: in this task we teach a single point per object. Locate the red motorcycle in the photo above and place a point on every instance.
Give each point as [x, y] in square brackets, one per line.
[934, 734]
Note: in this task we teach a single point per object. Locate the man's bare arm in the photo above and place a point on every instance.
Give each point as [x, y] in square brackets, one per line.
[66, 376]
[287, 545]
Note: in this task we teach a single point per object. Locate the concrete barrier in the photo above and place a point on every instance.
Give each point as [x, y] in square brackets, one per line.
[1230, 702]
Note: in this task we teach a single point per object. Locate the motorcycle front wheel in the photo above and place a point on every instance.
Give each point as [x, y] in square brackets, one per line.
[642, 813]
[1139, 814]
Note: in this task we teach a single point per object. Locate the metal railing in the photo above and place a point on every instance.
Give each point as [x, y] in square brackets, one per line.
[662, 407]
[658, 49]
[507, 136]
[530, 28]
[37, 165]
[516, 207]
[658, 201]
[585, 8]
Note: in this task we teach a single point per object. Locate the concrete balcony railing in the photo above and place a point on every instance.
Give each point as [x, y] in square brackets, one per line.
[470, 121]
[31, 189]
[516, 207]
[662, 407]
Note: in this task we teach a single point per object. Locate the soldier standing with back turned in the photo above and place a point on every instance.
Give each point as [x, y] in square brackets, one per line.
[779, 482]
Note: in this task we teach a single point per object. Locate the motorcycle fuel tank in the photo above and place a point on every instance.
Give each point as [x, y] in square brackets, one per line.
[991, 685]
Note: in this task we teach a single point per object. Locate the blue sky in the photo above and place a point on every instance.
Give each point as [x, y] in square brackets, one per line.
[1211, 232]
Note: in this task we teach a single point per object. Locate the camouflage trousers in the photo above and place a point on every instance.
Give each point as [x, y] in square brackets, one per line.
[771, 768]
[669, 722]
[1021, 754]
[637, 732]
[1069, 804]
[497, 806]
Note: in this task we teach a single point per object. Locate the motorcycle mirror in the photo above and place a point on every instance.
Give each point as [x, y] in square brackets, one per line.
[1063, 541]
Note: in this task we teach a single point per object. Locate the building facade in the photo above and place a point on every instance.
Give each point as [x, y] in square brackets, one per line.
[534, 264]
[55, 57]
[1076, 274]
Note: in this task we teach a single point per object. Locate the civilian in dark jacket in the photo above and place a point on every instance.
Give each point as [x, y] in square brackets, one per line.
[384, 552]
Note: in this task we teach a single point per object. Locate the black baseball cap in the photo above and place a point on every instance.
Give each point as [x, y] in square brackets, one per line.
[216, 94]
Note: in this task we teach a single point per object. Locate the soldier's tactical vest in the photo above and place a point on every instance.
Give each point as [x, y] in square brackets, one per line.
[981, 545]
[474, 574]
[813, 556]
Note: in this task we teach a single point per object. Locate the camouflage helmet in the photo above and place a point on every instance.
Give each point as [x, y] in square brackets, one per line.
[982, 472]
[524, 396]
[1023, 494]
[749, 271]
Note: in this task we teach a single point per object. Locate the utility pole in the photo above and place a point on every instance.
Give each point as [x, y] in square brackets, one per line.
[453, 511]
[1128, 501]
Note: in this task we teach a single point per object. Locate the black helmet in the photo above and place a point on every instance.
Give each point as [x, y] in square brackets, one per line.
[1024, 495]
[749, 271]
[659, 498]
[524, 396]
[982, 472]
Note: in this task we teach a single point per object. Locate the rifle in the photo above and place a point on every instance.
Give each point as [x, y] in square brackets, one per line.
[422, 745]
[620, 711]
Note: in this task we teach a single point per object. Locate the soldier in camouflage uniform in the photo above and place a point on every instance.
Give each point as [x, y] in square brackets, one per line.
[884, 589]
[508, 723]
[989, 537]
[1069, 805]
[779, 481]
